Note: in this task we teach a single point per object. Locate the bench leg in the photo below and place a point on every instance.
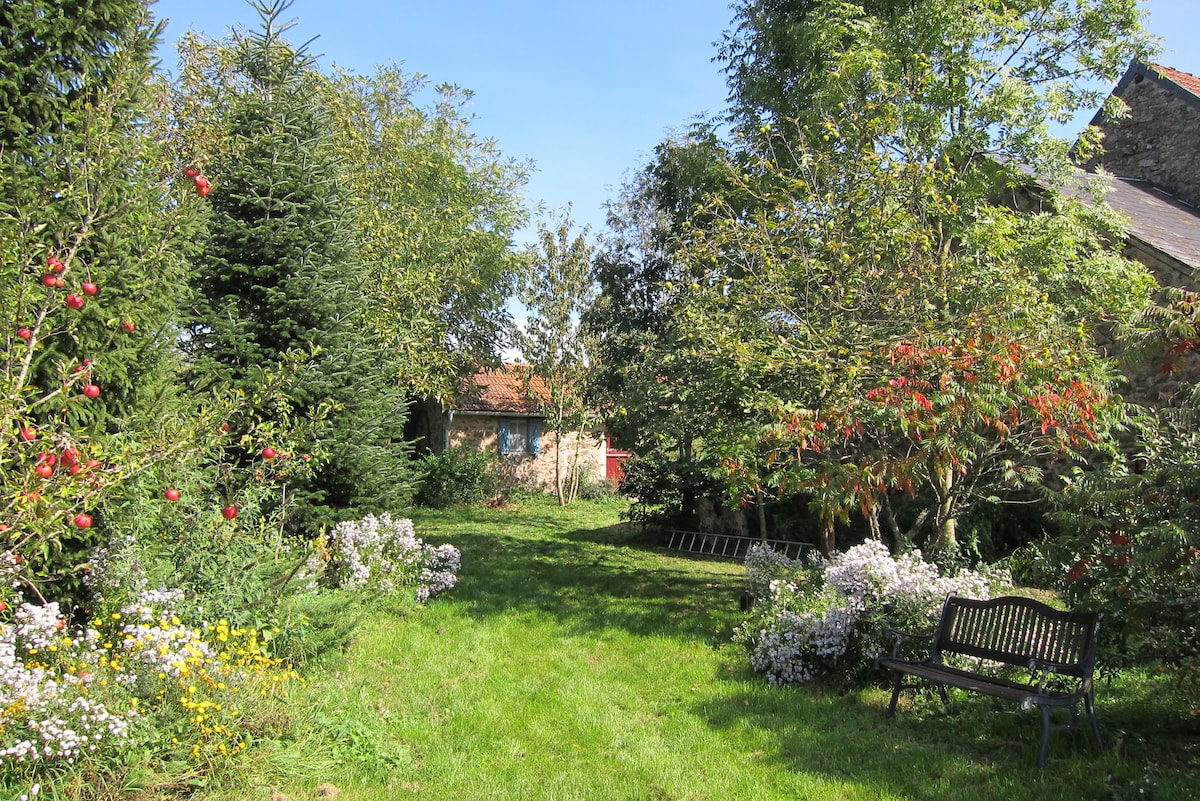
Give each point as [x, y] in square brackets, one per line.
[896, 694]
[1089, 703]
[1044, 751]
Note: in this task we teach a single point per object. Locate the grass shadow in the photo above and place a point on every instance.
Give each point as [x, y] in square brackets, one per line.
[588, 578]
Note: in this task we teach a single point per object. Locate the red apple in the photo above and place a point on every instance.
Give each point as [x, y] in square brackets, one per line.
[89, 288]
[129, 326]
[55, 264]
[172, 494]
[268, 453]
[70, 456]
[24, 333]
[92, 391]
[59, 281]
[83, 521]
[75, 302]
[44, 470]
[49, 279]
[229, 512]
[191, 172]
[203, 190]
[27, 434]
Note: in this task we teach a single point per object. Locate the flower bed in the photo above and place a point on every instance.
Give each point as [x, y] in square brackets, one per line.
[825, 616]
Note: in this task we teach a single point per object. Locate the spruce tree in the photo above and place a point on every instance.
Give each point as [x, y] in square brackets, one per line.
[280, 286]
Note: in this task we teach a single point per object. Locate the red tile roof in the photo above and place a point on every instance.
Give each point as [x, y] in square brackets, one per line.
[1186, 80]
[507, 389]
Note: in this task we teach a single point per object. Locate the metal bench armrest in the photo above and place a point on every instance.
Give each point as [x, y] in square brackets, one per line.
[901, 638]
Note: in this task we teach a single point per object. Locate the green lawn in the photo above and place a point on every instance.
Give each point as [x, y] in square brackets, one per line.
[574, 662]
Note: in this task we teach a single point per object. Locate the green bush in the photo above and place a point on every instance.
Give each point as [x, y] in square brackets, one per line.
[457, 475]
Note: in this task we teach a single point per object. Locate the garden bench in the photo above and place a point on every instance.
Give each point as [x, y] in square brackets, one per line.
[1055, 650]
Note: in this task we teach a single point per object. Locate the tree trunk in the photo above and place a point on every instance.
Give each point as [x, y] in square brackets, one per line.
[762, 516]
[558, 478]
[827, 543]
[945, 521]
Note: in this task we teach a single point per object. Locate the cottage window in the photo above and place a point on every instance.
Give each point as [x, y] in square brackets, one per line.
[520, 435]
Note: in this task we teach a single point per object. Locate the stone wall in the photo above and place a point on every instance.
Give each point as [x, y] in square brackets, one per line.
[1159, 142]
[481, 432]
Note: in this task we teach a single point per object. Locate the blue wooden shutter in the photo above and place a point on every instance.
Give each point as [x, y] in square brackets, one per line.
[535, 436]
[503, 435]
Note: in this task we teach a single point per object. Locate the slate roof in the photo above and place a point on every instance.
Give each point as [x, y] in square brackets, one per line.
[503, 390]
[1158, 219]
[1155, 217]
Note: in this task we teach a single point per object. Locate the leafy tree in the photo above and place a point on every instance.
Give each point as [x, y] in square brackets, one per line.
[94, 266]
[634, 324]
[556, 288]
[279, 277]
[866, 313]
[435, 208]
[1131, 547]
[931, 79]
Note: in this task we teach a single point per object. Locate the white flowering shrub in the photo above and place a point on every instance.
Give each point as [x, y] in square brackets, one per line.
[385, 555]
[765, 565]
[52, 707]
[134, 677]
[827, 617]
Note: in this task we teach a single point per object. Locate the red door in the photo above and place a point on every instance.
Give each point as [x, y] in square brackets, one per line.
[613, 468]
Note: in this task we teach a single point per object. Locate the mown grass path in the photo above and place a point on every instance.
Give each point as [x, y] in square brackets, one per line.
[572, 662]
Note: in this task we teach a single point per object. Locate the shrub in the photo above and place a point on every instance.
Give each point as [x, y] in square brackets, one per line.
[457, 475]
[188, 695]
[827, 616]
[385, 555]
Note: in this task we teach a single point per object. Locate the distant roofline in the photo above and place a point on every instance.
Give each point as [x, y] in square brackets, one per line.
[1161, 75]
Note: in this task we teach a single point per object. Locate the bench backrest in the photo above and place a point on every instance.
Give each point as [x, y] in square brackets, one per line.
[1017, 630]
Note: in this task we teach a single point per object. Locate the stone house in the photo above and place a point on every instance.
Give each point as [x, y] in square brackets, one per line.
[498, 411]
[1153, 156]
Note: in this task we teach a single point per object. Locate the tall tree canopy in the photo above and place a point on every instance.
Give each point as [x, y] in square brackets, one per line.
[882, 304]
[436, 208]
[280, 282]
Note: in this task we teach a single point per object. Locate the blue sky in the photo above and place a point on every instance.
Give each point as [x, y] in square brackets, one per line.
[585, 90]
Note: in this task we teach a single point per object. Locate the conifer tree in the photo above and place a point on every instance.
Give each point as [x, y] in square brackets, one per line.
[279, 283]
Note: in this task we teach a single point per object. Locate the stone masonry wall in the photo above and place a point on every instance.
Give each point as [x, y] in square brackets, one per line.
[1159, 142]
[481, 433]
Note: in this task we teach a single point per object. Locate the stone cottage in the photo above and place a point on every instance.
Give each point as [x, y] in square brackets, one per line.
[1153, 155]
[498, 410]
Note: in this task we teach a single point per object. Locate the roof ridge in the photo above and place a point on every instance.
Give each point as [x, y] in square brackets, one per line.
[1184, 80]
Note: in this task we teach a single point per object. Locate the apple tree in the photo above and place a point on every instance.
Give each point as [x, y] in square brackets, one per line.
[94, 260]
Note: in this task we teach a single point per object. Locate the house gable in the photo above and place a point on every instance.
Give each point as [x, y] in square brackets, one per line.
[1159, 141]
